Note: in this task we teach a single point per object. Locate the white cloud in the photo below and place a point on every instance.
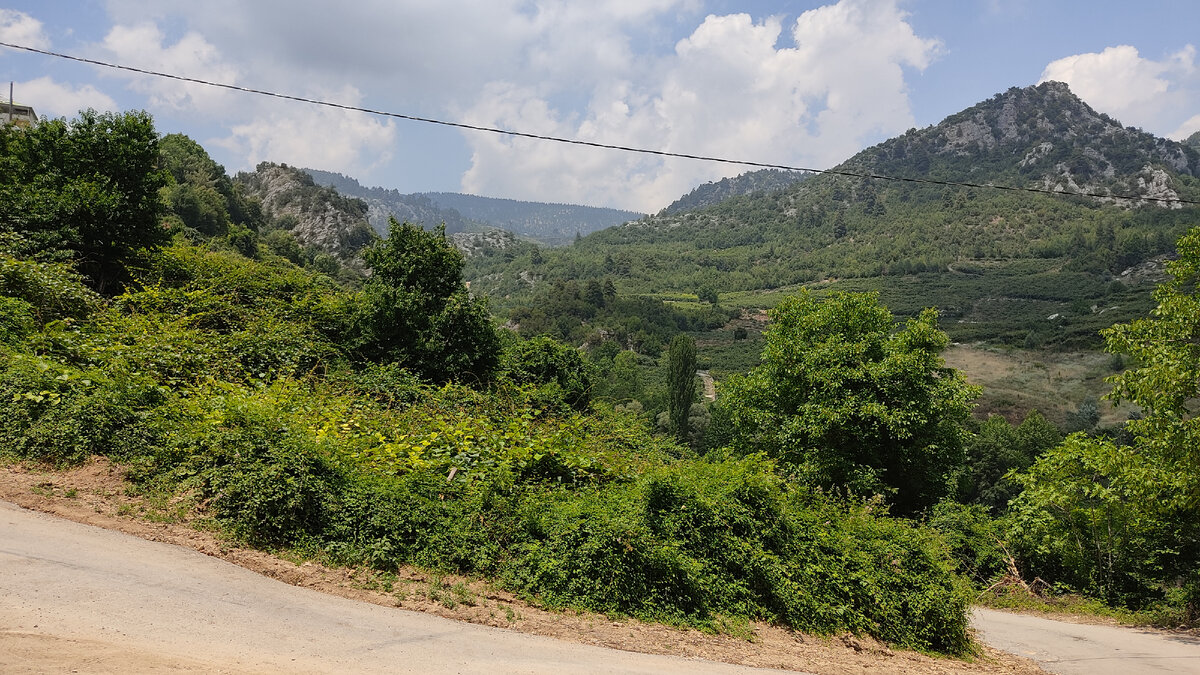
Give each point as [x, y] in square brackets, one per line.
[728, 90]
[144, 46]
[21, 29]
[324, 138]
[1155, 95]
[806, 92]
[1186, 129]
[52, 99]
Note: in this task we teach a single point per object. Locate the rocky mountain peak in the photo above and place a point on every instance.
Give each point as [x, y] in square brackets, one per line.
[1041, 136]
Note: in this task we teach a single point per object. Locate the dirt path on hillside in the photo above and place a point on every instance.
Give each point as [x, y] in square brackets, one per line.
[710, 386]
[96, 494]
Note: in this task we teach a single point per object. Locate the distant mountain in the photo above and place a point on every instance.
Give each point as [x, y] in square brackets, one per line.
[316, 216]
[548, 224]
[383, 203]
[752, 182]
[554, 224]
[996, 262]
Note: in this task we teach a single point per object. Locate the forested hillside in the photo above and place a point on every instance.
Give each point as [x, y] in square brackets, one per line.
[384, 204]
[546, 224]
[752, 182]
[385, 421]
[1003, 266]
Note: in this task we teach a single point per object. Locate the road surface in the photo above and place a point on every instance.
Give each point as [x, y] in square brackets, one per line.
[75, 598]
[1070, 648]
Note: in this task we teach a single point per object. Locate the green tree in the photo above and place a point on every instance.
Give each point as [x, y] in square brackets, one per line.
[200, 192]
[997, 449]
[415, 310]
[89, 187]
[681, 383]
[1120, 521]
[551, 365]
[624, 378]
[852, 401]
[1167, 384]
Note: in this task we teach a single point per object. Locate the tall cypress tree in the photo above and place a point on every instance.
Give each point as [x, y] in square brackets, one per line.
[681, 383]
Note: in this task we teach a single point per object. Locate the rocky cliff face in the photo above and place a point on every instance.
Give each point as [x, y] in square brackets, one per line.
[316, 216]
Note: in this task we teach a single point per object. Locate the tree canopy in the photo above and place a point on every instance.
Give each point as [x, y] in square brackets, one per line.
[416, 311]
[88, 187]
[848, 398]
[1119, 521]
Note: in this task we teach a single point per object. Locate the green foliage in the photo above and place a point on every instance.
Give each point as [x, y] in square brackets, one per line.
[415, 311]
[849, 400]
[56, 413]
[1166, 382]
[974, 538]
[1103, 520]
[997, 449]
[16, 320]
[200, 193]
[558, 370]
[300, 415]
[695, 539]
[88, 186]
[50, 291]
[681, 384]
[1118, 521]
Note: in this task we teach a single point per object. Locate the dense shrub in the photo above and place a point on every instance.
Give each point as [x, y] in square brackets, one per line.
[558, 369]
[220, 377]
[974, 538]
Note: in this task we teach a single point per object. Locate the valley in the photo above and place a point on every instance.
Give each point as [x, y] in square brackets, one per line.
[903, 407]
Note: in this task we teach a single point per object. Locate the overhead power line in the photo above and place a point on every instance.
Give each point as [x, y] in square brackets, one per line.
[591, 144]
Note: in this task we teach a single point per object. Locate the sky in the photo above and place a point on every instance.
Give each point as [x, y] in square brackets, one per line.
[798, 83]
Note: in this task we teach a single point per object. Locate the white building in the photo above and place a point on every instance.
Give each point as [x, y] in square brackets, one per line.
[15, 113]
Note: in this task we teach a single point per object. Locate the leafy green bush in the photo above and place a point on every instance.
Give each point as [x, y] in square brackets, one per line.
[55, 413]
[52, 290]
[16, 320]
[974, 539]
[559, 370]
[693, 540]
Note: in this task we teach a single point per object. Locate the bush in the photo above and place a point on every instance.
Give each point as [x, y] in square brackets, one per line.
[54, 413]
[695, 540]
[973, 538]
[545, 363]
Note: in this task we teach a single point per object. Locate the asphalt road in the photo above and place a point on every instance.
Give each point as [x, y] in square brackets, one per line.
[1070, 649]
[75, 598]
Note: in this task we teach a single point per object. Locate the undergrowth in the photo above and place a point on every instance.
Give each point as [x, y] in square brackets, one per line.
[221, 382]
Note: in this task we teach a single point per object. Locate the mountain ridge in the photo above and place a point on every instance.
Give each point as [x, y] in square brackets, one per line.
[552, 224]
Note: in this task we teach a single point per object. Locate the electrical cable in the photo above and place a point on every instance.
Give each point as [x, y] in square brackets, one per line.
[595, 144]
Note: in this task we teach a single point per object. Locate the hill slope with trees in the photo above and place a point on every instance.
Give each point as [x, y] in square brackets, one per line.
[386, 422]
[547, 224]
[1008, 267]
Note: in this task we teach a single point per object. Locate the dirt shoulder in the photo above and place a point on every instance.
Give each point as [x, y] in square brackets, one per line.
[95, 494]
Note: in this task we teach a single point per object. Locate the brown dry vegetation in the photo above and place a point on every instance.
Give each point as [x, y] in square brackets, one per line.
[1016, 381]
